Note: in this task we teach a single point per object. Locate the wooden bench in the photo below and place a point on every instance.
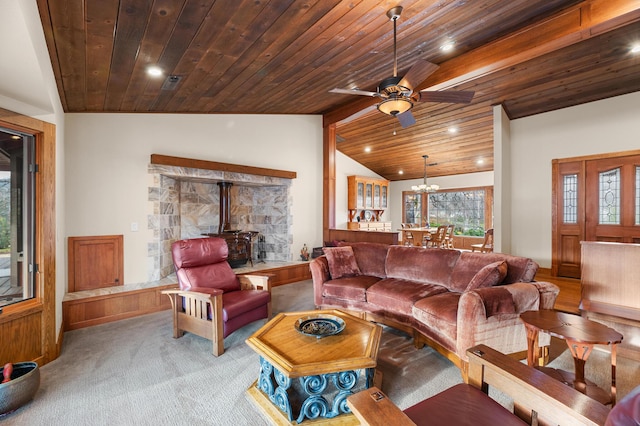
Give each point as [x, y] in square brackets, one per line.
[537, 398]
[93, 307]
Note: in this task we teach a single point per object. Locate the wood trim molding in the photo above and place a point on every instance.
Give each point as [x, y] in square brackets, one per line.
[166, 160]
[33, 322]
[596, 156]
[328, 180]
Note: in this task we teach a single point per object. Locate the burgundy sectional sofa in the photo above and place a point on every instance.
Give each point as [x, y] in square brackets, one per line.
[448, 299]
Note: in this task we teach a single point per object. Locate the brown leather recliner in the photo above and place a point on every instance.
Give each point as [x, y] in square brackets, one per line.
[213, 301]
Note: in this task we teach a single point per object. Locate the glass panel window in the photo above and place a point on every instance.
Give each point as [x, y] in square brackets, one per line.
[570, 191]
[412, 208]
[17, 209]
[464, 209]
[637, 195]
[609, 197]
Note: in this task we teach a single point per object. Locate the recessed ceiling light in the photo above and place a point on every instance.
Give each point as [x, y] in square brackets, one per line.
[480, 161]
[452, 130]
[367, 149]
[635, 48]
[154, 71]
[448, 46]
[400, 172]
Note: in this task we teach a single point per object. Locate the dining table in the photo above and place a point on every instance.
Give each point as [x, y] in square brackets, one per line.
[418, 234]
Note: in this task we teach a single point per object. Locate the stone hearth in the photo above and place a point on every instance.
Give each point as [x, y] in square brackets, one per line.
[185, 203]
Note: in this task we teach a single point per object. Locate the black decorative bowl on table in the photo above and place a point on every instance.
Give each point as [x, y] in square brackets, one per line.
[320, 325]
[24, 383]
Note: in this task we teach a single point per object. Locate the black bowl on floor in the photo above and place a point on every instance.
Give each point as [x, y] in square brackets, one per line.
[23, 385]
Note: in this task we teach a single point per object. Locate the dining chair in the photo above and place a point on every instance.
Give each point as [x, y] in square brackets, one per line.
[426, 239]
[487, 244]
[408, 238]
[437, 239]
[448, 237]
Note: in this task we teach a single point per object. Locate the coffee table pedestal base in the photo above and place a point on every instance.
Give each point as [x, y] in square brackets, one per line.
[277, 417]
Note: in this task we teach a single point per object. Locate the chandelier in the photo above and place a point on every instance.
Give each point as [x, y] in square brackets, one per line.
[423, 187]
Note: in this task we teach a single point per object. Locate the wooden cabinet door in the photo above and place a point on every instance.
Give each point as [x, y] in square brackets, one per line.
[95, 262]
[385, 195]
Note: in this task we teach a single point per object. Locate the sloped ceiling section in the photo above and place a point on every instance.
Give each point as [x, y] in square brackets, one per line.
[283, 57]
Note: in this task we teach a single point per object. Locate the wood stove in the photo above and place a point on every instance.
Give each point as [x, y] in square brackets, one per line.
[239, 242]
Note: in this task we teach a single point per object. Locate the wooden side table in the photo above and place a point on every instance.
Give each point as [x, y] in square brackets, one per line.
[581, 335]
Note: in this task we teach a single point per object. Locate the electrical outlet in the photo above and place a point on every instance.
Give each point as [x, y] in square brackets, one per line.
[134, 226]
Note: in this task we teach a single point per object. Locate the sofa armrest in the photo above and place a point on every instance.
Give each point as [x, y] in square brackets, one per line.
[521, 297]
[492, 316]
[319, 274]
[548, 293]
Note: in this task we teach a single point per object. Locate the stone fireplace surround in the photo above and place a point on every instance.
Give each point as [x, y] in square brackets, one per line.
[185, 203]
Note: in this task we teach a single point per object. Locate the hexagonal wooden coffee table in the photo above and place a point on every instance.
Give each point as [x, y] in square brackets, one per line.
[303, 377]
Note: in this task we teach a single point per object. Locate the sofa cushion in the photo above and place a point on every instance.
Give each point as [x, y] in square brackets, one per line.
[342, 262]
[422, 265]
[439, 313]
[397, 295]
[349, 288]
[490, 275]
[370, 257]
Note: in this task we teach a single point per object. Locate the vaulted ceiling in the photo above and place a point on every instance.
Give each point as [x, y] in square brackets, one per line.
[283, 57]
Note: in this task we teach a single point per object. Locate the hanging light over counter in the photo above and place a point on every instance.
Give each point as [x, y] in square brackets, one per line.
[423, 187]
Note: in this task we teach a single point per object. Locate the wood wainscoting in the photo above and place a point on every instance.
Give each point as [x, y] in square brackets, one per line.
[100, 306]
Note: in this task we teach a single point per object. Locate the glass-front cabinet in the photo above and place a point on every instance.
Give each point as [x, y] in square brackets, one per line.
[368, 198]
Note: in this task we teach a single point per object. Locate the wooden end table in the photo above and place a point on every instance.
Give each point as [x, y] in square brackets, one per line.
[306, 378]
[581, 335]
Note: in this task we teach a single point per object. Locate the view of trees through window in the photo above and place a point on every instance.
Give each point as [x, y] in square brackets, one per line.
[464, 209]
[5, 211]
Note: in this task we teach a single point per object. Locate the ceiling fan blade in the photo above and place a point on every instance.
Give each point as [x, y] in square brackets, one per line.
[406, 119]
[451, 96]
[353, 92]
[418, 73]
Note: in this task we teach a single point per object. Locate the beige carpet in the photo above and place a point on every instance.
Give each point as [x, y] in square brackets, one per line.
[132, 372]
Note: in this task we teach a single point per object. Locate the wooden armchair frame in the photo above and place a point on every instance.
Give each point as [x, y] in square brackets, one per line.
[538, 398]
[191, 310]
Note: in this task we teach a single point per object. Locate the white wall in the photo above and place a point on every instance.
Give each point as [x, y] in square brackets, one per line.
[610, 125]
[108, 155]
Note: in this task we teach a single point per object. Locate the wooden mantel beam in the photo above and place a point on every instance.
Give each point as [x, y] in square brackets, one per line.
[580, 22]
[167, 160]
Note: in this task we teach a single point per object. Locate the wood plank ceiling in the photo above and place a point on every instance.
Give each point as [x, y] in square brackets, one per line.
[283, 57]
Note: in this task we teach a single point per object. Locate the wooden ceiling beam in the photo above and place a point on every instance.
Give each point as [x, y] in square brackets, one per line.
[583, 21]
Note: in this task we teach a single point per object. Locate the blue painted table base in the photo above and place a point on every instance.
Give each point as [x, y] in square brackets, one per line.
[312, 397]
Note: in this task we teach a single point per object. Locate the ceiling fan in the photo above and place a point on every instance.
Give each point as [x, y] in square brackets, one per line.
[396, 93]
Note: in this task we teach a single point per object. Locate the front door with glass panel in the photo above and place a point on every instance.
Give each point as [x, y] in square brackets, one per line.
[596, 199]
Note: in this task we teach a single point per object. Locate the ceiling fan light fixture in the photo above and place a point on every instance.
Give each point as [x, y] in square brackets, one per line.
[395, 105]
